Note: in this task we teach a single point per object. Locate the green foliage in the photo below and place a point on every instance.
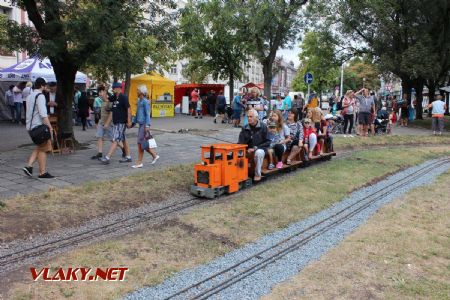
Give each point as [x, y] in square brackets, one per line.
[318, 56]
[358, 70]
[211, 41]
[269, 25]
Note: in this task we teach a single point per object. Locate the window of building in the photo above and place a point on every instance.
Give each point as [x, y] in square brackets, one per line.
[173, 70]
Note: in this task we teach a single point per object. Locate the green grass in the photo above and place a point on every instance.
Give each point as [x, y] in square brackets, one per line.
[426, 123]
[212, 230]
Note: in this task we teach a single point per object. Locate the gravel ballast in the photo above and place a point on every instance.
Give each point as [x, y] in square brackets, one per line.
[261, 282]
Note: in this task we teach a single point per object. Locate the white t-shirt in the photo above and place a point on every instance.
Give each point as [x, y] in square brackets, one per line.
[438, 107]
[40, 111]
[18, 97]
[26, 92]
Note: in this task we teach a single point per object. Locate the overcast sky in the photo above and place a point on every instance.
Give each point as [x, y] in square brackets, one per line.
[290, 54]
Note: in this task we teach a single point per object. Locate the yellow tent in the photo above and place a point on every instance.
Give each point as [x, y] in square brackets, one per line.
[161, 93]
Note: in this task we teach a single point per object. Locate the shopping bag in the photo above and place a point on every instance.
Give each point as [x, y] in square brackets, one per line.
[152, 143]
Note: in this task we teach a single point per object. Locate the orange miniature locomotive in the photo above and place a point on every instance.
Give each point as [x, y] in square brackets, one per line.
[224, 169]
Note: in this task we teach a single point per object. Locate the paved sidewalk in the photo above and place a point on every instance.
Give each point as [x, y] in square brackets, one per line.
[173, 148]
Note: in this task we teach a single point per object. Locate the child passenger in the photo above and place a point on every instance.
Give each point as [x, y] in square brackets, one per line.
[279, 136]
[199, 108]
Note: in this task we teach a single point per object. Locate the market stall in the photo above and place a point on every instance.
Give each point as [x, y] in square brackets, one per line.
[161, 94]
[182, 90]
[29, 70]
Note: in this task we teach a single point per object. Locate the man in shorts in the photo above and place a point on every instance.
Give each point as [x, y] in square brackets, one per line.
[366, 104]
[121, 118]
[37, 115]
[103, 127]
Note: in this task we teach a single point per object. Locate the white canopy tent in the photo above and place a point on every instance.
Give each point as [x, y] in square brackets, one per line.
[33, 68]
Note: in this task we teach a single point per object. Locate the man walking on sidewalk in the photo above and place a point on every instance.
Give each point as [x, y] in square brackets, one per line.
[36, 116]
[121, 118]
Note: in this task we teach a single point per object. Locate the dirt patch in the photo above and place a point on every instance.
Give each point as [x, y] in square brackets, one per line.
[26, 216]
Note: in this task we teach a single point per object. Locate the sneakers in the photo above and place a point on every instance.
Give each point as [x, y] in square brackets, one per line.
[28, 171]
[105, 160]
[279, 165]
[97, 156]
[124, 154]
[270, 167]
[46, 175]
[125, 160]
[137, 166]
[215, 122]
[155, 159]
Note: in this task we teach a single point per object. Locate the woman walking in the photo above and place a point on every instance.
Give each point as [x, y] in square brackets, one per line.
[143, 119]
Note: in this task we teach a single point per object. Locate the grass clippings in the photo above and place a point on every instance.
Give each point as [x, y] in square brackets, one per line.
[157, 252]
[402, 252]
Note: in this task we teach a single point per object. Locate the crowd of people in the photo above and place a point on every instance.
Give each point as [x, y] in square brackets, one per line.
[287, 128]
[112, 116]
[269, 128]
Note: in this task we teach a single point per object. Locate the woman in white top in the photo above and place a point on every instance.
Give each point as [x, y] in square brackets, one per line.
[348, 110]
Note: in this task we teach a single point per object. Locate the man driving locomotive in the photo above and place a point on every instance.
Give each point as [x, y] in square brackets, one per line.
[254, 134]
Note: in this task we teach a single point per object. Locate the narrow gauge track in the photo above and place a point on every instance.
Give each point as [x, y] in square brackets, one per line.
[11, 259]
[218, 282]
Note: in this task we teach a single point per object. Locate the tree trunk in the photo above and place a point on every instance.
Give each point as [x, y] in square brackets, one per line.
[231, 84]
[267, 71]
[128, 83]
[65, 77]
[418, 86]
[406, 89]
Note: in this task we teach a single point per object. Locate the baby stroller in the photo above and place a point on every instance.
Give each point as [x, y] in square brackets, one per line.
[336, 123]
[381, 122]
[229, 114]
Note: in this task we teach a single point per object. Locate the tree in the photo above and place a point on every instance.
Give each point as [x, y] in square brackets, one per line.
[269, 26]
[318, 56]
[69, 32]
[361, 72]
[211, 42]
[410, 39]
[147, 44]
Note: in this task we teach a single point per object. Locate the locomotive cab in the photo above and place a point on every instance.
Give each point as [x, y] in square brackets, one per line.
[224, 169]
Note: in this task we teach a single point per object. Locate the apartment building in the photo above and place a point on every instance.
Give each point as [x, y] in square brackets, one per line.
[13, 13]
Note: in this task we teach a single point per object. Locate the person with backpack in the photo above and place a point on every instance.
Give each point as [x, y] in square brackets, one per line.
[36, 119]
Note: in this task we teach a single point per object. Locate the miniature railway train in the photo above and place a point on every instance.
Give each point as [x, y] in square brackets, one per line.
[227, 168]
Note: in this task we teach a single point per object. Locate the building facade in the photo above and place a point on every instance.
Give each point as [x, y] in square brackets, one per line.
[16, 14]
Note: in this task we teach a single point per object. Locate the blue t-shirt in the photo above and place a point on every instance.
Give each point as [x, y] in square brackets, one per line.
[237, 103]
[221, 101]
[287, 103]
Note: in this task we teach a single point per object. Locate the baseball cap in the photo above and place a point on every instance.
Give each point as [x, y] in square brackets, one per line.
[116, 85]
[307, 120]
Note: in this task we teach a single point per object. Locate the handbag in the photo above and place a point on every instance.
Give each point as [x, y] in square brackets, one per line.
[39, 134]
[150, 142]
